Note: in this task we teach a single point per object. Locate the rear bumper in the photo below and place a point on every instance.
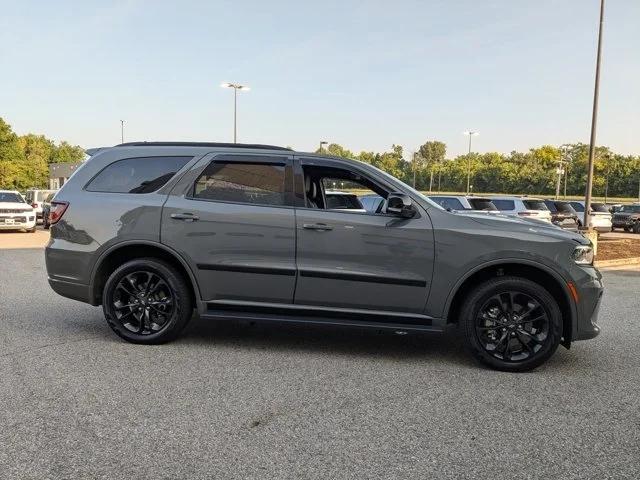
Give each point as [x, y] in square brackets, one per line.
[75, 291]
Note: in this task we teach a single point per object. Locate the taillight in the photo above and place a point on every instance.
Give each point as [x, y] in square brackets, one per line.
[56, 211]
[34, 205]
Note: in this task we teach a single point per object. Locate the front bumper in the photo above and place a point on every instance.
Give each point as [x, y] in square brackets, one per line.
[17, 222]
[590, 291]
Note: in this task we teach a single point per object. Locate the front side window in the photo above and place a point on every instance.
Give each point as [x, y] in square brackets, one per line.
[137, 175]
[256, 183]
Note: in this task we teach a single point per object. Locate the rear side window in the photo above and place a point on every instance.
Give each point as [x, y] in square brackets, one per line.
[260, 184]
[534, 205]
[447, 202]
[504, 204]
[137, 175]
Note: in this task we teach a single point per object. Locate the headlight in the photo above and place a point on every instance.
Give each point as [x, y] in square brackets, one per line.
[583, 255]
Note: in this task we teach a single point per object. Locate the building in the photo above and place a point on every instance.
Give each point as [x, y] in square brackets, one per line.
[59, 173]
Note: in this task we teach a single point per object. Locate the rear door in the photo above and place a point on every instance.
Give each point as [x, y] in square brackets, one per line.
[232, 218]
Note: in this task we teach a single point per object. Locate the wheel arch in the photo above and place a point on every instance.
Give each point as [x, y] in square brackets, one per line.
[122, 252]
[548, 278]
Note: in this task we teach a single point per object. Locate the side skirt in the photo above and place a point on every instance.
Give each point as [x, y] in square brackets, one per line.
[315, 315]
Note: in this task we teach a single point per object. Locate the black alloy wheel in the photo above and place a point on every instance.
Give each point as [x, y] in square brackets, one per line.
[511, 323]
[147, 301]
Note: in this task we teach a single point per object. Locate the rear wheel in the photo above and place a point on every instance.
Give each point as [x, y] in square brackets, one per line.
[511, 324]
[147, 301]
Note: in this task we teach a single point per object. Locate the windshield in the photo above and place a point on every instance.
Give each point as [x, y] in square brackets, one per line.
[482, 204]
[564, 207]
[599, 207]
[11, 197]
[630, 209]
[534, 205]
[410, 189]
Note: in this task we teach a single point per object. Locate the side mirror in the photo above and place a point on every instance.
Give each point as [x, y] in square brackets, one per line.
[400, 204]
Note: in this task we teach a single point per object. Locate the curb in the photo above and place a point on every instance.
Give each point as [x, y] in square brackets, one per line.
[633, 261]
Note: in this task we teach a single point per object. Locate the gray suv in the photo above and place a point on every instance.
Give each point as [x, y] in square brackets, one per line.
[152, 231]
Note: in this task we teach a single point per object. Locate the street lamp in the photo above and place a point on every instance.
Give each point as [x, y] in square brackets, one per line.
[469, 133]
[236, 87]
[121, 131]
[321, 144]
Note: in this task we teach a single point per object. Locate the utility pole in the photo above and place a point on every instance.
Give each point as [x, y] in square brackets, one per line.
[121, 131]
[594, 121]
[236, 87]
[470, 133]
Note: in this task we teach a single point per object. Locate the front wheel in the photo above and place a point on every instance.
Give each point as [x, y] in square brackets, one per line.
[511, 324]
[147, 301]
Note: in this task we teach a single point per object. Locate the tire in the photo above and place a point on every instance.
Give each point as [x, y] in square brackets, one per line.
[32, 230]
[154, 318]
[541, 336]
[636, 227]
[627, 229]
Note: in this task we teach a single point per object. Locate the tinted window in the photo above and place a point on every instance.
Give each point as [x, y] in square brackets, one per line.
[630, 209]
[599, 207]
[137, 175]
[261, 184]
[10, 197]
[343, 201]
[577, 206]
[551, 205]
[448, 202]
[534, 205]
[482, 204]
[564, 207]
[504, 204]
[371, 203]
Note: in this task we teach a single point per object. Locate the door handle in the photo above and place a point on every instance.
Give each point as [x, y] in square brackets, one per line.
[317, 226]
[187, 217]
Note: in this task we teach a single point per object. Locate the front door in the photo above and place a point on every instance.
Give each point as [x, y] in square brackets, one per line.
[231, 217]
[349, 257]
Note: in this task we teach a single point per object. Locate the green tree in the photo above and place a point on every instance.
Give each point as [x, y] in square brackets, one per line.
[66, 153]
[11, 157]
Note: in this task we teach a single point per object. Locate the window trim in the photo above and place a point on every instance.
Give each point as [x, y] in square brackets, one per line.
[86, 185]
[225, 158]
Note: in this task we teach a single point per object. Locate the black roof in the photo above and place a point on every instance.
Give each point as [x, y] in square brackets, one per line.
[257, 146]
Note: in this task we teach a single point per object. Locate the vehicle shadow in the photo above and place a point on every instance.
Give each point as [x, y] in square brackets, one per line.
[351, 341]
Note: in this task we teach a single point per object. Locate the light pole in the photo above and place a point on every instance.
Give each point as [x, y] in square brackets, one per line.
[594, 120]
[323, 143]
[469, 133]
[236, 87]
[121, 131]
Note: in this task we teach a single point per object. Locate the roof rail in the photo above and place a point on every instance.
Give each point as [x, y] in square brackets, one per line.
[257, 146]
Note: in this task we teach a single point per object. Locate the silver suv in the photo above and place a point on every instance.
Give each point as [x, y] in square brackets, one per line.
[152, 231]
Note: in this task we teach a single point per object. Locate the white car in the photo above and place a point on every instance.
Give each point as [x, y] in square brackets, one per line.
[36, 198]
[15, 213]
[525, 207]
[599, 216]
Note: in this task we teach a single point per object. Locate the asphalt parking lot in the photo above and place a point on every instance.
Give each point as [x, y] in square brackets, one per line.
[231, 400]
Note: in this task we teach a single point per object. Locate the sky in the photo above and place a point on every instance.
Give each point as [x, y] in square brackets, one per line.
[364, 74]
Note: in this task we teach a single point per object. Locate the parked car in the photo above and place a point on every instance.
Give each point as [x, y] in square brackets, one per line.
[343, 201]
[628, 218]
[527, 207]
[465, 203]
[372, 203]
[35, 198]
[46, 207]
[151, 231]
[15, 213]
[599, 217]
[562, 214]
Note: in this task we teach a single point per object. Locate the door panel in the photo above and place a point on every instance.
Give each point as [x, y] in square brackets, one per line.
[356, 260]
[238, 251]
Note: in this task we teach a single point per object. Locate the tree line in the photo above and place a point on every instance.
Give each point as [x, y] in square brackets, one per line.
[534, 172]
[24, 163]
[25, 159]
